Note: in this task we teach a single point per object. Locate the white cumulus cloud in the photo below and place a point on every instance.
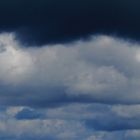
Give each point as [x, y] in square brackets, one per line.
[103, 69]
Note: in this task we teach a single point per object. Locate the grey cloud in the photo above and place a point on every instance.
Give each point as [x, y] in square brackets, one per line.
[103, 69]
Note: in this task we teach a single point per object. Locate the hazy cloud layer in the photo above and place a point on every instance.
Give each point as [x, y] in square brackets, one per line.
[70, 122]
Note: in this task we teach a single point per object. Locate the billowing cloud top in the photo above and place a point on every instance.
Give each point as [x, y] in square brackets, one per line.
[103, 69]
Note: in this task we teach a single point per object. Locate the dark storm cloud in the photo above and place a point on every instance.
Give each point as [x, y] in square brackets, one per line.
[41, 21]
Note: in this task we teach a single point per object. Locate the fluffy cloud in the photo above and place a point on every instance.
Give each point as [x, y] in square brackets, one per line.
[103, 69]
[15, 63]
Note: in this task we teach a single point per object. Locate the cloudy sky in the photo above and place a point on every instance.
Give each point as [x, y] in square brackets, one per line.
[70, 70]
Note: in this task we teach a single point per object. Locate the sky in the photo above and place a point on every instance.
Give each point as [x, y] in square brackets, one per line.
[69, 70]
